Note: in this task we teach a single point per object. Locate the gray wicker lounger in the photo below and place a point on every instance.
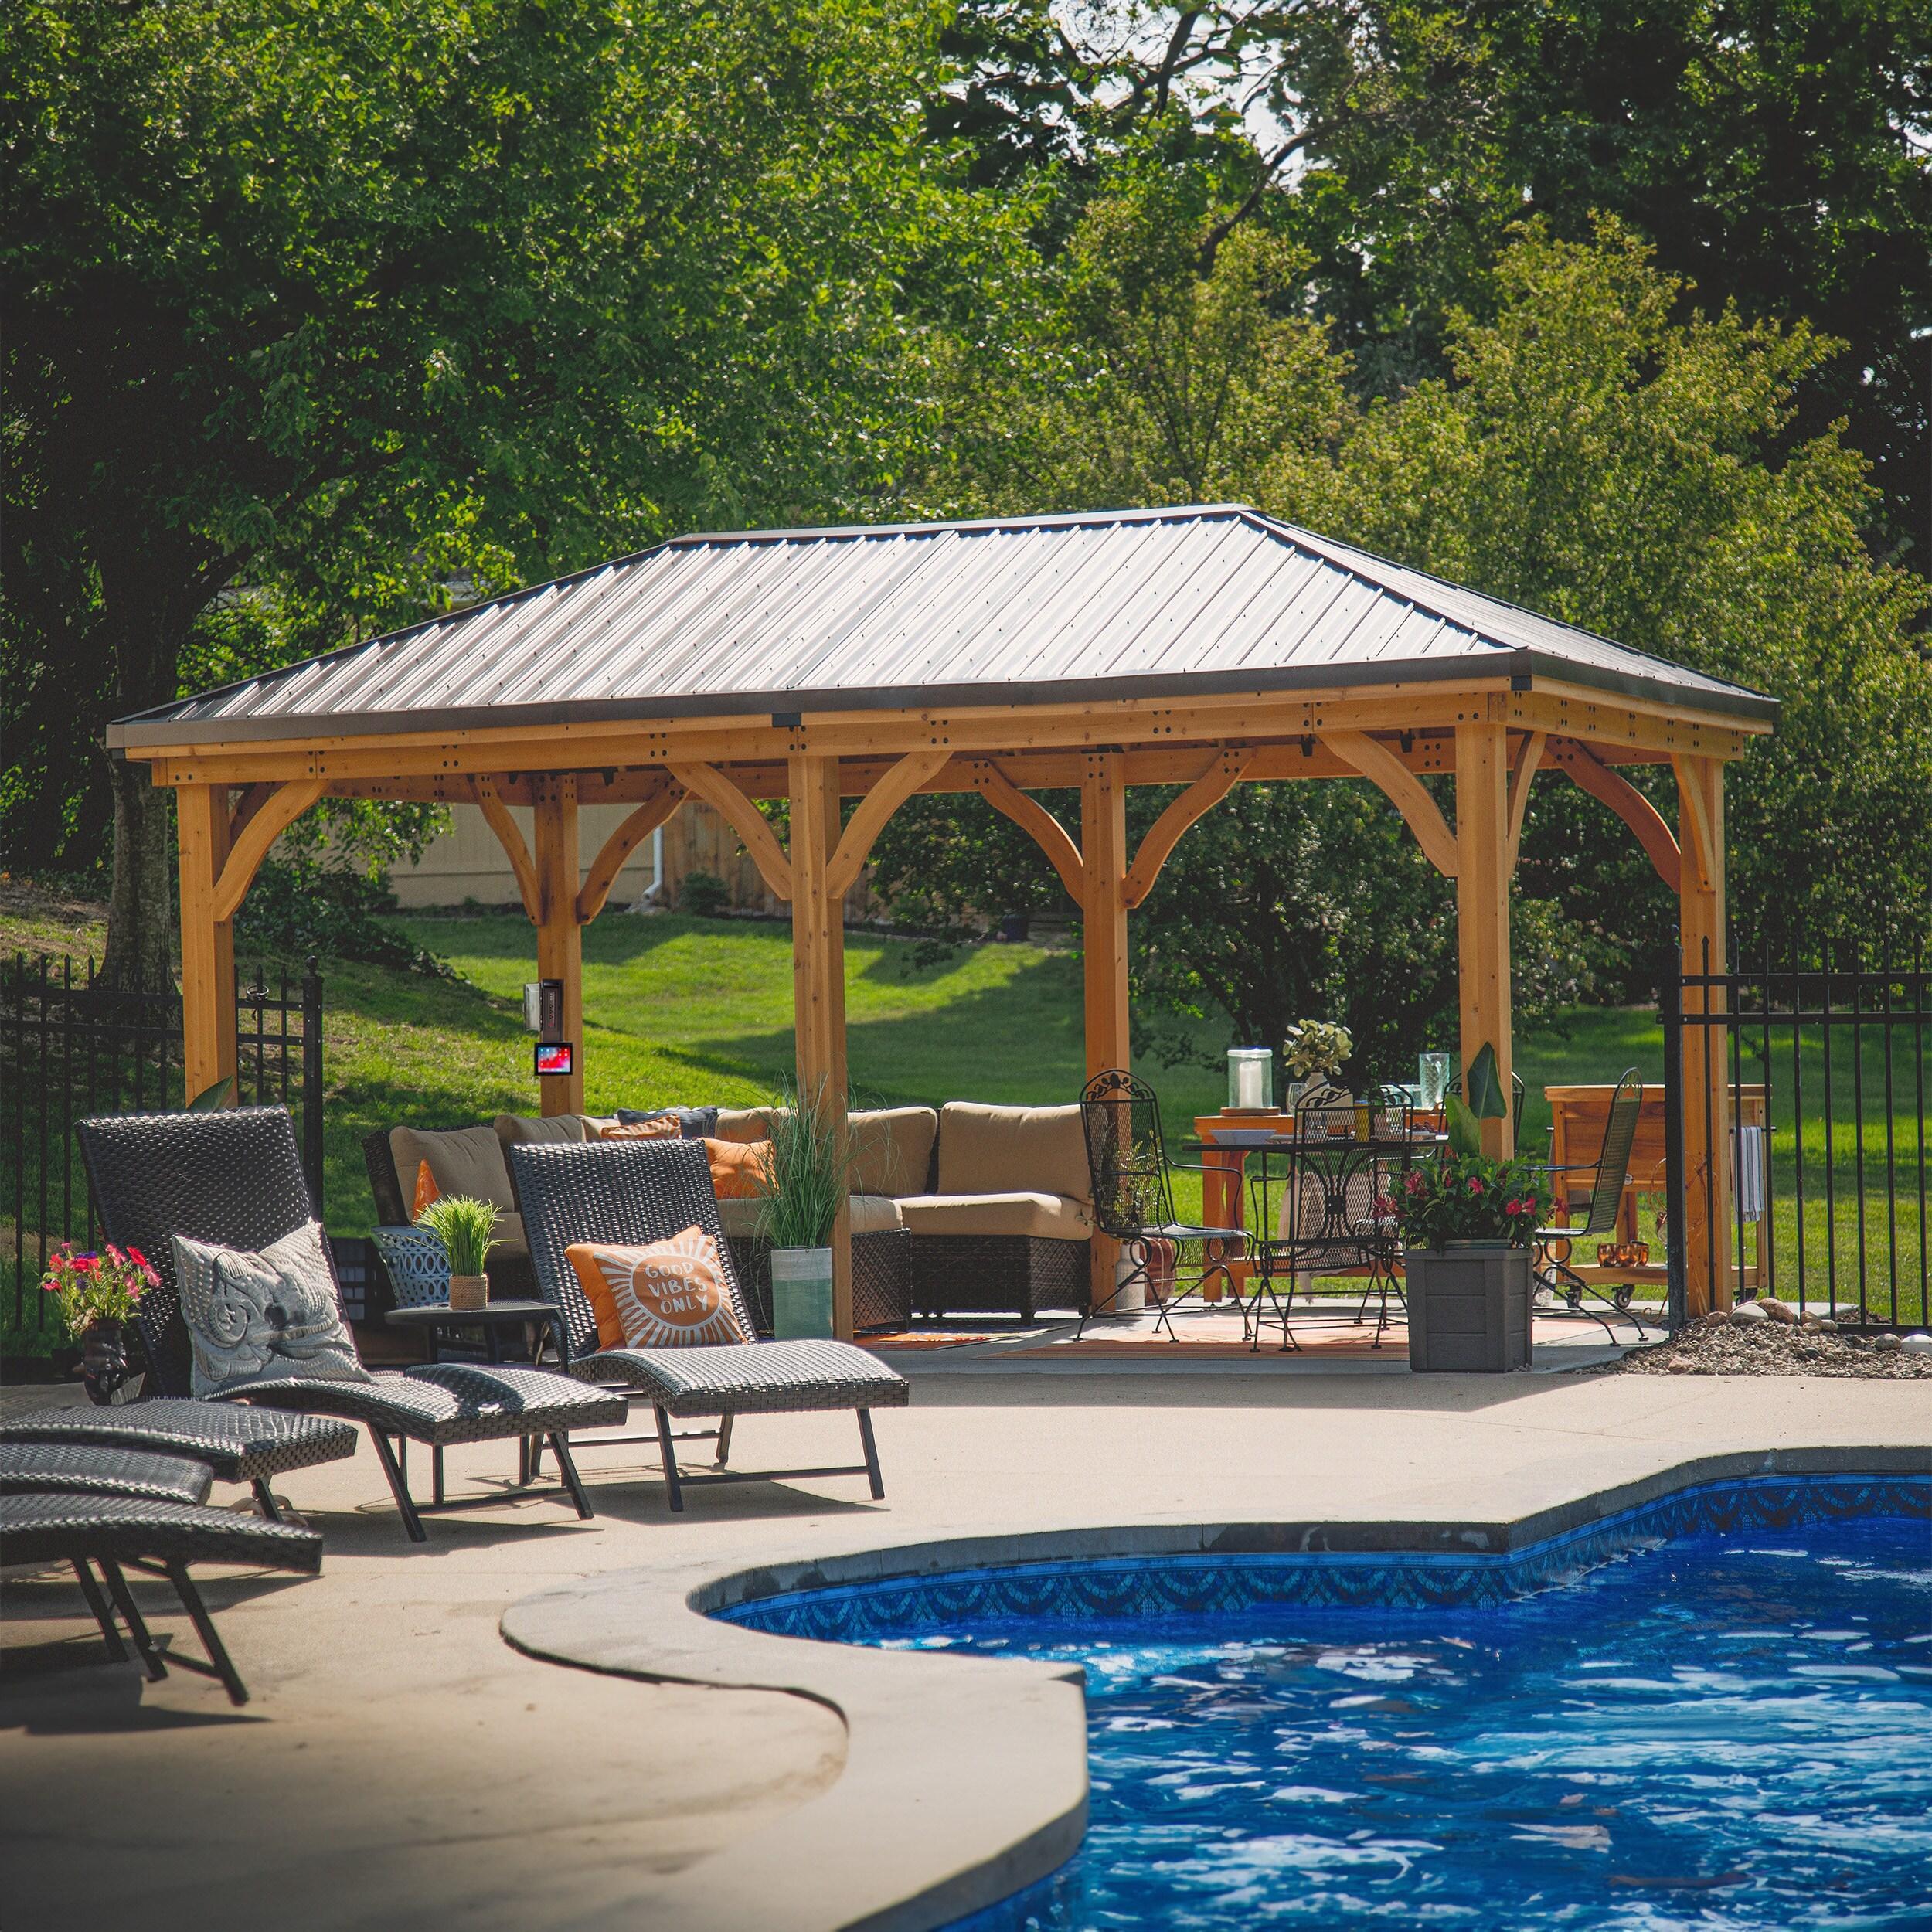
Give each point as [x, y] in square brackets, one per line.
[234, 1177]
[632, 1191]
[92, 1507]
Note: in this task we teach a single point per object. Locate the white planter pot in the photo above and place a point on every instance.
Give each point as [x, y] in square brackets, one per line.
[1130, 1281]
[801, 1295]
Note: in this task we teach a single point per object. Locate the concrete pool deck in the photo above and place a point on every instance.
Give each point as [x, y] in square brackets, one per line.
[401, 1764]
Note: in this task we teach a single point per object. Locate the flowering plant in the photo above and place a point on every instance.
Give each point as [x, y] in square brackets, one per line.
[1464, 1197]
[97, 1287]
[1315, 1047]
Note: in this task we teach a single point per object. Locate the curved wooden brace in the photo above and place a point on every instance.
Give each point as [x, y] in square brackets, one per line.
[1406, 792]
[267, 823]
[497, 815]
[894, 787]
[638, 826]
[1693, 817]
[707, 782]
[1529, 757]
[1031, 817]
[253, 798]
[1629, 803]
[1166, 832]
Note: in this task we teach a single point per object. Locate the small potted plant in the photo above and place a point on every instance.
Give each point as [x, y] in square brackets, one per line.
[1468, 1226]
[99, 1294]
[467, 1229]
[1313, 1051]
[804, 1183]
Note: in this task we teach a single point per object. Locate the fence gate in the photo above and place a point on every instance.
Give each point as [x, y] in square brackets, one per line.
[70, 1048]
[1821, 1060]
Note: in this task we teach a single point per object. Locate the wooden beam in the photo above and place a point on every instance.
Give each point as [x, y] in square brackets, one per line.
[708, 783]
[1523, 773]
[818, 981]
[1103, 901]
[655, 811]
[560, 938]
[1032, 817]
[1207, 792]
[1709, 1204]
[497, 815]
[1482, 907]
[1627, 801]
[878, 805]
[253, 798]
[1405, 790]
[1694, 830]
[207, 940]
[266, 823]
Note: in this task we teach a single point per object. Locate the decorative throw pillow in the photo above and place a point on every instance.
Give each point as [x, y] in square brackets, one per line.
[663, 1128]
[666, 1294]
[737, 1167]
[694, 1123]
[426, 1191]
[259, 1318]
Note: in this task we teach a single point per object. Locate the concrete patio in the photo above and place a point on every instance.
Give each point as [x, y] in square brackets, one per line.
[401, 1765]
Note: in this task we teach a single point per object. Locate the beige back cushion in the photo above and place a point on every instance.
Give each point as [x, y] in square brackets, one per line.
[468, 1160]
[742, 1123]
[511, 1128]
[893, 1150]
[1002, 1150]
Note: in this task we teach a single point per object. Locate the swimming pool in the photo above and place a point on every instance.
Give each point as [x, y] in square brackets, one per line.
[1712, 1711]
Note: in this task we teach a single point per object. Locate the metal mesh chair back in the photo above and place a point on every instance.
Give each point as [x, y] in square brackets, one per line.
[233, 1176]
[1613, 1163]
[625, 1192]
[1126, 1156]
[1328, 1218]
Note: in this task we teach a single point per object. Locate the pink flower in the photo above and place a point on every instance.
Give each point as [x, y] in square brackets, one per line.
[1475, 1184]
[1413, 1183]
[1512, 1207]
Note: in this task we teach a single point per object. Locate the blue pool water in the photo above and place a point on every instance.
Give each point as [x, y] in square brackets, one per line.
[1726, 1725]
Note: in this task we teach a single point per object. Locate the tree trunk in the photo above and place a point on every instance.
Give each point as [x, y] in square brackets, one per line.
[140, 907]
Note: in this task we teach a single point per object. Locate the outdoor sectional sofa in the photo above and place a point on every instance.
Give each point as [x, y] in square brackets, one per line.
[968, 1209]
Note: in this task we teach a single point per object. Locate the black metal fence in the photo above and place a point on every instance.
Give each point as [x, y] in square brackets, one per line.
[1823, 1055]
[70, 1047]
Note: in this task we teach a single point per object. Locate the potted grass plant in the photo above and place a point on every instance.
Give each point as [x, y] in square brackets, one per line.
[467, 1229]
[1468, 1226]
[803, 1184]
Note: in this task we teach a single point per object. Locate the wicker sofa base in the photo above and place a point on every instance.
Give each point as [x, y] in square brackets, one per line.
[997, 1274]
[881, 1278]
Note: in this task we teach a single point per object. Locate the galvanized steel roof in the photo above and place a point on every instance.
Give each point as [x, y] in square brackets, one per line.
[1035, 609]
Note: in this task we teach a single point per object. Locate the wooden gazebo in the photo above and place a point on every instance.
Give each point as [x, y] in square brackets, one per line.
[1204, 647]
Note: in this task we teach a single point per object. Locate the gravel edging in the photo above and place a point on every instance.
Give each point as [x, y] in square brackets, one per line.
[1721, 1344]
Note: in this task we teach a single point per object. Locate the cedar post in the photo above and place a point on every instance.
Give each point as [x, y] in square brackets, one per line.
[559, 939]
[1708, 1201]
[207, 943]
[818, 979]
[1482, 906]
[1103, 866]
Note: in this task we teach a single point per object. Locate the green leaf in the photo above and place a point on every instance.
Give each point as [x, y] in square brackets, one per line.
[214, 1098]
[1465, 1136]
[1484, 1087]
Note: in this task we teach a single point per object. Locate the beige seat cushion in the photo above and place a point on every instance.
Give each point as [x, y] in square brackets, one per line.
[995, 1150]
[467, 1160]
[893, 1149]
[871, 1214]
[1051, 1216]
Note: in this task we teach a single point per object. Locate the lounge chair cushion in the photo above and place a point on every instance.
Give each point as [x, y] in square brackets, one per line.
[1051, 1217]
[239, 1444]
[657, 1294]
[996, 1150]
[253, 1317]
[771, 1376]
[893, 1150]
[467, 1160]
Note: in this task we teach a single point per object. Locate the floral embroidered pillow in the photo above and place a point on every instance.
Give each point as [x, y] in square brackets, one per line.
[664, 1294]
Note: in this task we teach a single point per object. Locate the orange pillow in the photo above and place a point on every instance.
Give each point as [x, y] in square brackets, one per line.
[426, 1190]
[667, 1294]
[737, 1167]
[665, 1129]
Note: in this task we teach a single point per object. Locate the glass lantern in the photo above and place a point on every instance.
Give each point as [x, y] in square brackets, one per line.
[1251, 1080]
[1432, 1072]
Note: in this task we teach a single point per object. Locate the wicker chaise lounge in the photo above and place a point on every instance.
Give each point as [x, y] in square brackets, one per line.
[629, 1192]
[234, 1177]
[95, 1507]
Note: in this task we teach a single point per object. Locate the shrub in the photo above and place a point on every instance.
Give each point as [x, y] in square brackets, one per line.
[704, 895]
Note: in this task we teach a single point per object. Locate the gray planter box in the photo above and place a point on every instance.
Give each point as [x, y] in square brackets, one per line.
[1468, 1307]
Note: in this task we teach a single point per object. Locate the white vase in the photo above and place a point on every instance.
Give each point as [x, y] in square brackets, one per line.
[801, 1294]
